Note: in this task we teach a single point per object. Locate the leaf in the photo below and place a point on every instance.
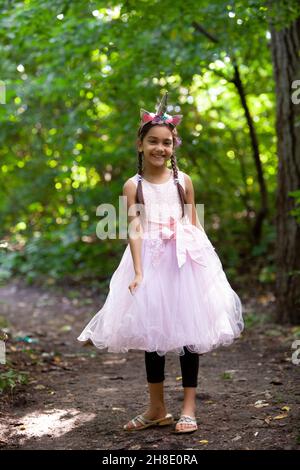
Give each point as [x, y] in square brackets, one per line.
[282, 416]
[203, 441]
[226, 376]
[135, 447]
[39, 387]
[65, 328]
[261, 404]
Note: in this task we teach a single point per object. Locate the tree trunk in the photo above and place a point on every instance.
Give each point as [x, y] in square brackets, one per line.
[286, 61]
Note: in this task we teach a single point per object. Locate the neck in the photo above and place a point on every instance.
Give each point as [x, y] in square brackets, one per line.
[150, 170]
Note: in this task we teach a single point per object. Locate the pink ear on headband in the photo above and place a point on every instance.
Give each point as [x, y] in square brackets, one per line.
[176, 119]
[146, 116]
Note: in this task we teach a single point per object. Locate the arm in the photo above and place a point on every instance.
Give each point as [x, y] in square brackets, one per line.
[129, 190]
[190, 199]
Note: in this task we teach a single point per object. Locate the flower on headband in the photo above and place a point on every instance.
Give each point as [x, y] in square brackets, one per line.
[178, 141]
[162, 119]
[159, 118]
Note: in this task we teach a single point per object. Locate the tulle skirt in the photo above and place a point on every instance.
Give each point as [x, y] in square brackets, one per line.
[192, 306]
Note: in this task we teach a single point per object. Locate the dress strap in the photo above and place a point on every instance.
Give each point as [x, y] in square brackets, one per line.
[134, 179]
[181, 179]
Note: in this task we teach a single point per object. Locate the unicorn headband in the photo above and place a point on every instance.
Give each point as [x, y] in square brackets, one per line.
[160, 116]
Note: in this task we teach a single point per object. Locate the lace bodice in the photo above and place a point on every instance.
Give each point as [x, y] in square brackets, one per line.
[162, 202]
[162, 209]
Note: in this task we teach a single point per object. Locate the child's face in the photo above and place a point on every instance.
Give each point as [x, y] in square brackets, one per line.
[157, 145]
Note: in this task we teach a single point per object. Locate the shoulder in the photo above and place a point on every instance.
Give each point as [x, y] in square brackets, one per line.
[129, 187]
[188, 182]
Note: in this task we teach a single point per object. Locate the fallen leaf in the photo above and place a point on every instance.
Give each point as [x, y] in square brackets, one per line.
[39, 387]
[261, 404]
[135, 447]
[285, 408]
[285, 415]
[114, 362]
[65, 328]
[203, 441]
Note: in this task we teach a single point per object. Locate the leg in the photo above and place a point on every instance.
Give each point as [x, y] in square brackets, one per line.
[155, 367]
[189, 363]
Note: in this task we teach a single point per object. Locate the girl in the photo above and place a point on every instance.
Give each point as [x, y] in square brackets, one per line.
[169, 292]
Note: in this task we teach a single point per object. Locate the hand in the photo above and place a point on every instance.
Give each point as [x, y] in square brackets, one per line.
[135, 283]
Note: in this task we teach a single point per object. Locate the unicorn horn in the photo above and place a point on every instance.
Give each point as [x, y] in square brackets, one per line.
[162, 107]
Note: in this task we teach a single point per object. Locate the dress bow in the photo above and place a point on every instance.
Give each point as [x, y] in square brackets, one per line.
[189, 239]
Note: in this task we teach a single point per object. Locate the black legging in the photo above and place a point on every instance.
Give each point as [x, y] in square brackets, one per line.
[189, 363]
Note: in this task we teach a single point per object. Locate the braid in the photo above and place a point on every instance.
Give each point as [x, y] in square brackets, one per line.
[179, 187]
[139, 192]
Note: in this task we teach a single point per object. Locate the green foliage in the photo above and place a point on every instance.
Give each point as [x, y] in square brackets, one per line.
[227, 376]
[267, 274]
[76, 74]
[8, 264]
[46, 258]
[10, 379]
[253, 319]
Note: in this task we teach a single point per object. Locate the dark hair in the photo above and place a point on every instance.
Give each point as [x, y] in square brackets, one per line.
[142, 132]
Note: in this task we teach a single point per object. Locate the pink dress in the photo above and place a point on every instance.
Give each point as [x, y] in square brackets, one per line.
[184, 298]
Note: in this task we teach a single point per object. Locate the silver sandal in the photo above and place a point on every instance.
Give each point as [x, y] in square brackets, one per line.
[140, 422]
[188, 420]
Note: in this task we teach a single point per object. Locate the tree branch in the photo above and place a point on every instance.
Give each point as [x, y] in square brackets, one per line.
[236, 80]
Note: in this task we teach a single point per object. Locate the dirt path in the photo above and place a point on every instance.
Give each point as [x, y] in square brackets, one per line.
[79, 398]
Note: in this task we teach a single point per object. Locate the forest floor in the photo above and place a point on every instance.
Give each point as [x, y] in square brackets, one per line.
[78, 397]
